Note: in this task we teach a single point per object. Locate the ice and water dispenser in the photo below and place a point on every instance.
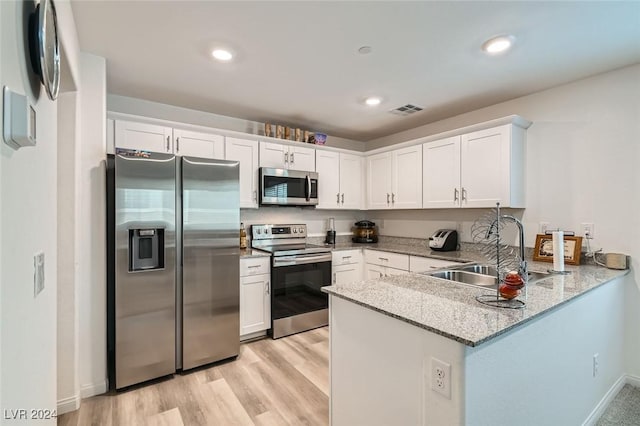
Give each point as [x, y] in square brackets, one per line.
[146, 249]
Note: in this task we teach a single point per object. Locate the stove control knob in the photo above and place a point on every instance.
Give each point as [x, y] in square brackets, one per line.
[301, 230]
[258, 231]
[295, 230]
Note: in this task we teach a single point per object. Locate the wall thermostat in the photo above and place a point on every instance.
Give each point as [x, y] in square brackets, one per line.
[19, 121]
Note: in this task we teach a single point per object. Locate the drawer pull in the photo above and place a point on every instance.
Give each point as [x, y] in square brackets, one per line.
[346, 257]
[383, 258]
[254, 266]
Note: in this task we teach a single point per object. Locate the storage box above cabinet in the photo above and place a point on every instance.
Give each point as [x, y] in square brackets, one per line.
[476, 169]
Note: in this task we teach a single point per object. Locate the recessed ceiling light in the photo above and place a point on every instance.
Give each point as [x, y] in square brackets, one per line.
[372, 101]
[222, 55]
[365, 50]
[498, 44]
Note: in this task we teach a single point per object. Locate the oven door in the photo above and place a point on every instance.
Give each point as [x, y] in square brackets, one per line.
[288, 187]
[296, 282]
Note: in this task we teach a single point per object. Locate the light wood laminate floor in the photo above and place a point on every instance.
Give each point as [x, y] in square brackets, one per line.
[272, 382]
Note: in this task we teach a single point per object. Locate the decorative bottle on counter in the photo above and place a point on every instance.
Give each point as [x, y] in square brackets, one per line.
[243, 236]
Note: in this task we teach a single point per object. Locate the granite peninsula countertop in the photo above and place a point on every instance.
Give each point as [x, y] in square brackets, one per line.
[450, 309]
[249, 252]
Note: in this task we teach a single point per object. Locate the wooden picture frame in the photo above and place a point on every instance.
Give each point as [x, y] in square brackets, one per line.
[543, 251]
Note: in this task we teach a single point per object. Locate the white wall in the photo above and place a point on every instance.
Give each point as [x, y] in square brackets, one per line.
[316, 220]
[28, 226]
[551, 359]
[90, 226]
[67, 324]
[581, 155]
[582, 166]
[145, 108]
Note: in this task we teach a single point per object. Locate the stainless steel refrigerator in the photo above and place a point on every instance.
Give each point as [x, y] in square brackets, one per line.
[172, 264]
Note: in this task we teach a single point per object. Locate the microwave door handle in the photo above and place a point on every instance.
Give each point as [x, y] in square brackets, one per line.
[308, 194]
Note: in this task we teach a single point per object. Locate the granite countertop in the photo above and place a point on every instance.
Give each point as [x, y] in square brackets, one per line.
[451, 310]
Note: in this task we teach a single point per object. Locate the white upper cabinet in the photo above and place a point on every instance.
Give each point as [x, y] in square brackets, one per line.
[143, 136]
[246, 152]
[280, 156]
[477, 169]
[157, 138]
[379, 181]
[395, 179]
[407, 178]
[197, 144]
[441, 173]
[340, 180]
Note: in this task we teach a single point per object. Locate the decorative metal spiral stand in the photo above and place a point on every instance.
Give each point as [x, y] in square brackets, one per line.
[486, 233]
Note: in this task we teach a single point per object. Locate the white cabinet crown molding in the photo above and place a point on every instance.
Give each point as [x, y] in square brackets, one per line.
[510, 119]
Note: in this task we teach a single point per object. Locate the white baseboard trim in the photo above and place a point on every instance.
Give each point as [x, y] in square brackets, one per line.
[67, 405]
[633, 380]
[599, 409]
[93, 389]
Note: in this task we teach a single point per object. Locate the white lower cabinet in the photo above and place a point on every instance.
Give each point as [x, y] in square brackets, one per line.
[383, 264]
[255, 296]
[426, 264]
[346, 266]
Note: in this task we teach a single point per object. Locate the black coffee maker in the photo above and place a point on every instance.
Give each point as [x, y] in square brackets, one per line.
[331, 233]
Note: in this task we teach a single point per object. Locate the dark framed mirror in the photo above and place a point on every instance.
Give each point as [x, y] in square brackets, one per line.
[44, 46]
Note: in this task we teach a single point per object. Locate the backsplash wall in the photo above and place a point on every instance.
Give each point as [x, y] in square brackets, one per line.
[316, 220]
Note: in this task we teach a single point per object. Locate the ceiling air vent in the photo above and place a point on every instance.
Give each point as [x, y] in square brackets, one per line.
[406, 109]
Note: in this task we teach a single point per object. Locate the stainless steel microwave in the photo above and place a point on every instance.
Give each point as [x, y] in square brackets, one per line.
[281, 187]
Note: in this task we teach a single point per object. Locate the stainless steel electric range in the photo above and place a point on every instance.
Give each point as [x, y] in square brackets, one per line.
[298, 271]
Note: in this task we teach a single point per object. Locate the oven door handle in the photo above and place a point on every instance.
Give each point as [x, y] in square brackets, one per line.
[300, 259]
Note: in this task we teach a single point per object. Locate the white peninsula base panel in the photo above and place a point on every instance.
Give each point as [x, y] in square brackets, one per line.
[541, 373]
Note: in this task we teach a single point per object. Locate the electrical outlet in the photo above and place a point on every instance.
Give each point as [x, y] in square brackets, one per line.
[596, 364]
[588, 230]
[441, 377]
[542, 228]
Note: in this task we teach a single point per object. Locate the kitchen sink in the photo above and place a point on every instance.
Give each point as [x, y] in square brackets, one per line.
[479, 275]
[465, 277]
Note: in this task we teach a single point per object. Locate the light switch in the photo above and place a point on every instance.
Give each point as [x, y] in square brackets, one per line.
[38, 273]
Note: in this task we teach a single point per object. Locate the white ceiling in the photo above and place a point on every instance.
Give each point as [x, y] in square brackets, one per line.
[297, 62]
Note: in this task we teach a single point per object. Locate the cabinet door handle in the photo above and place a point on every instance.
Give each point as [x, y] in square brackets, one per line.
[168, 146]
[292, 158]
[346, 257]
[387, 198]
[464, 194]
[255, 195]
[266, 287]
[343, 198]
[383, 258]
[338, 198]
[334, 277]
[381, 274]
[177, 145]
[286, 158]
[455, 194]
[393, 198]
